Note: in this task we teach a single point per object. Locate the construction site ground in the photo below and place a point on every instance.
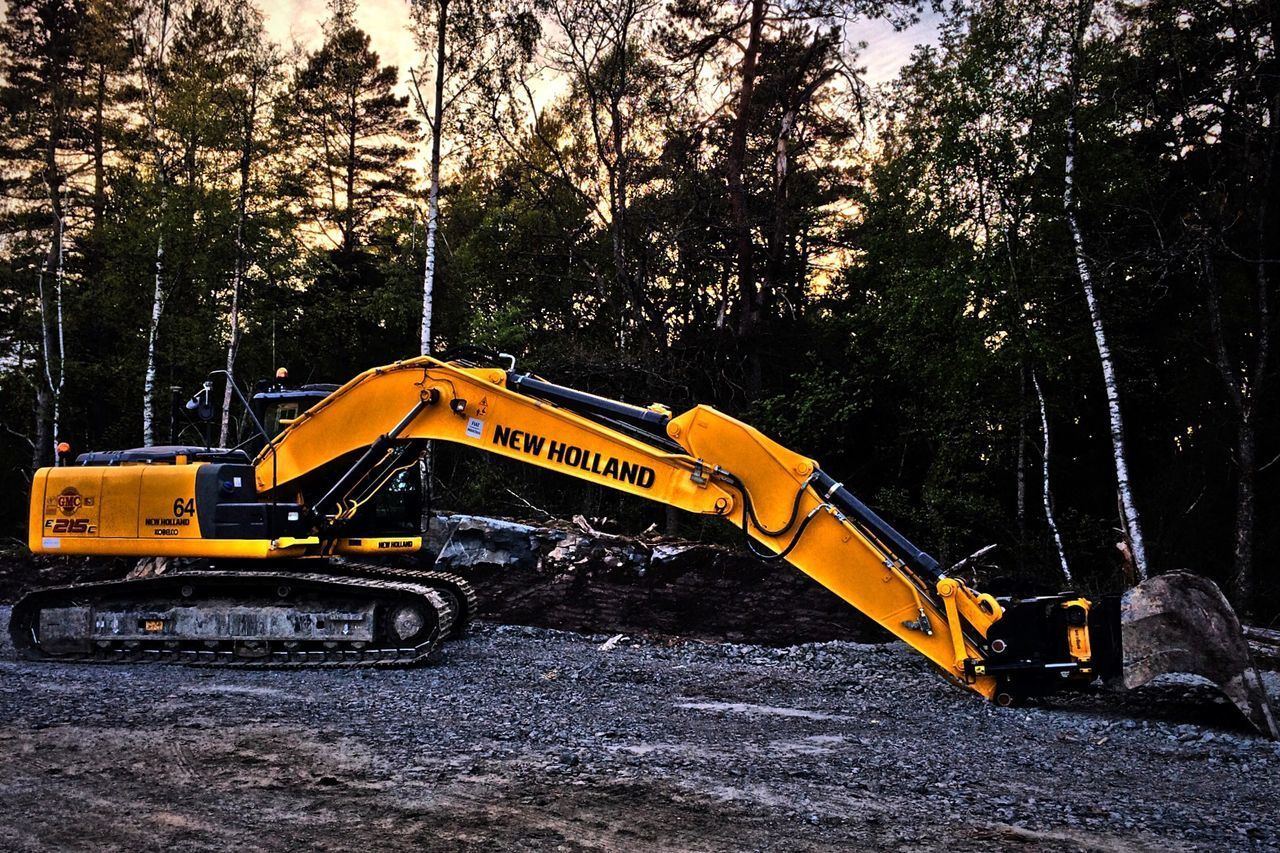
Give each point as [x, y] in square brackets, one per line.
[524, 738]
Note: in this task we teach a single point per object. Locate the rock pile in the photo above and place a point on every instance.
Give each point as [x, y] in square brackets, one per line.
[579, 579]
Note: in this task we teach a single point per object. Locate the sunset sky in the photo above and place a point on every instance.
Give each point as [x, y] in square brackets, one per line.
[387, 23]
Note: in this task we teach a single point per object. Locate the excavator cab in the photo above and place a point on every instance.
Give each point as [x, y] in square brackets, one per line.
[276, 407]
[395, 511]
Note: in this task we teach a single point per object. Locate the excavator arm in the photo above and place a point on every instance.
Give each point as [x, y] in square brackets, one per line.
[702, 461]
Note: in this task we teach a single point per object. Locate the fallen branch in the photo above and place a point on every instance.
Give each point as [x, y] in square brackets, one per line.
[981, 552]
[522, 500]
[1264, 644]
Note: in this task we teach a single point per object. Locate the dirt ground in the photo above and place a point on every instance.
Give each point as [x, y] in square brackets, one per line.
[532, 739]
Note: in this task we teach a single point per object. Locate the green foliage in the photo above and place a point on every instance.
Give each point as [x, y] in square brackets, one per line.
[912, 266]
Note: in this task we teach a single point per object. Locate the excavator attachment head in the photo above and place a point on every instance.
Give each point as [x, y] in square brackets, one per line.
[1180, 622]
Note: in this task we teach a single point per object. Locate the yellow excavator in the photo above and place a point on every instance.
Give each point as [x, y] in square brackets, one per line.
[269, 553]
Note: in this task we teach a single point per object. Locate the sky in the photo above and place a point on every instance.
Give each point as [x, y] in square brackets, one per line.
[386, 21]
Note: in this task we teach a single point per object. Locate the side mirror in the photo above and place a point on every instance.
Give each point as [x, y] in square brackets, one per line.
[200, 403]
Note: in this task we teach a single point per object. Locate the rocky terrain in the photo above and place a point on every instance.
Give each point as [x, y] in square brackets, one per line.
[685, 714]
[523, 738]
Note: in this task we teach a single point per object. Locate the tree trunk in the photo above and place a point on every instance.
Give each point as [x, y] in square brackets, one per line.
[99, 149]
[237, 273]
[233, 342]
[1251, 387]
[1243, 581]
[162, 176]
[59, 276]
[349, 215]
[433, 226]
[625, 281]
[801, 90]
[433, 196]
[1045, 491]
[52, 349]
[157, 307]
[778, 237]
[44, 429]
[1119, 449]
[49, 400]
[1020, 507]
[735, 165]
[1242, 386]
[632, 282]
[671, 522]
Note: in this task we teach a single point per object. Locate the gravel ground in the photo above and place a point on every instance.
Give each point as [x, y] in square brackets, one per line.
[534, 739]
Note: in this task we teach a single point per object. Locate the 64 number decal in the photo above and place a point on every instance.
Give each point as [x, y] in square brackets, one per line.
[180, 516]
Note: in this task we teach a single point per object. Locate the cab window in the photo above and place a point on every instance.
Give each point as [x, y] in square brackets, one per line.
[278, 411]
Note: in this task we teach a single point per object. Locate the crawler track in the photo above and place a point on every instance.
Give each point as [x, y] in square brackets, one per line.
[454, 587]
[342, 614]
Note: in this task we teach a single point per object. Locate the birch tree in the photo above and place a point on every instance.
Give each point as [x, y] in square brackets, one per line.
[464, 40]
[436, 32]
[50, 392]
[1045, 491]
[197, 70]
[152, 33]
[435, 128]
[1081, 13]
[435, 124]
[470, 46]
[245, 171]
[40, 104]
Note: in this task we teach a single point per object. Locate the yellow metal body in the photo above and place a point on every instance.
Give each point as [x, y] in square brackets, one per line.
[1078, 635]
[132, 511]
[139, 510]
[379, 545]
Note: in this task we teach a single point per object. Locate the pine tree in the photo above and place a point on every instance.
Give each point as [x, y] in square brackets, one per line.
[353, 133]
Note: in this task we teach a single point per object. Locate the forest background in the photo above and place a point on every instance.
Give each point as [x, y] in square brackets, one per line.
[1020, 294]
